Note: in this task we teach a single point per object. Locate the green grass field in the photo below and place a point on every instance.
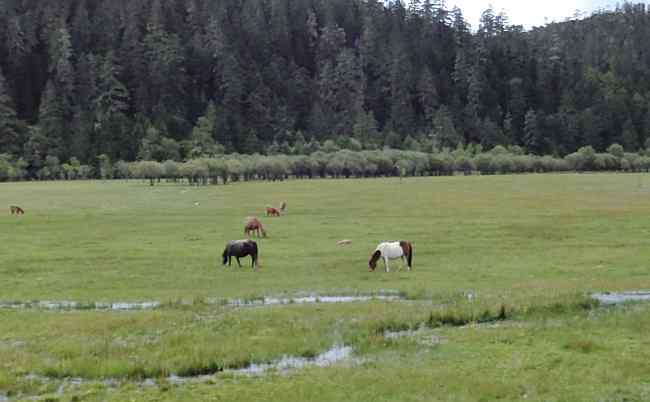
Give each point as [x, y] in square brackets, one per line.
[534, 246]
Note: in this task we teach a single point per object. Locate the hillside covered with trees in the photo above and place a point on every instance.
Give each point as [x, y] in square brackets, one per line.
[92, 80]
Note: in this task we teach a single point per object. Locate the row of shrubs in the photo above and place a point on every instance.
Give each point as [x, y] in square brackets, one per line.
[343, 163]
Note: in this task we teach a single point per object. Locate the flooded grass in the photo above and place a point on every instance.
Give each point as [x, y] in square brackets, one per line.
[243, 302]
[622, 297]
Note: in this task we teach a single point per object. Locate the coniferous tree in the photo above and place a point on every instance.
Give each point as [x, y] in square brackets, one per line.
[321, 67]
[630, 137]
[532, 133]
[9, 133]
[444, 132]
[56, 110]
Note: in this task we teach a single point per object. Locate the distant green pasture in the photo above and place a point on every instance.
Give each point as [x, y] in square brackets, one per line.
[507, 235]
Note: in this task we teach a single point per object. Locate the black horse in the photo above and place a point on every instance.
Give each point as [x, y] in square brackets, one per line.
[238, 249]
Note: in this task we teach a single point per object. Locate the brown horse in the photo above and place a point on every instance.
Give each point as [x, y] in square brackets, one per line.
[270, 211]
[15, 210]
[252, 224]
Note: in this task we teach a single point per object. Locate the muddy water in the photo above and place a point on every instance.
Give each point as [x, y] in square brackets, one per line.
[622, 297]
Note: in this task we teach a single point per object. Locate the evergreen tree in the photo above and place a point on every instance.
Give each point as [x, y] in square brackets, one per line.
[444, 132]
[402, 115]
[428, 96]
[492, 134]
[56, 110]
[81, 31]
[111, 105]
[365, 128]
[52, 121]
[630, 137]
[233, 93]
[645, 134]
[517, 109]
[9, 132]
[202, 141]
[532, 134]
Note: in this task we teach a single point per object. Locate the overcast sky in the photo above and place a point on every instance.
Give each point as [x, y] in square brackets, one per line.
[530, 13]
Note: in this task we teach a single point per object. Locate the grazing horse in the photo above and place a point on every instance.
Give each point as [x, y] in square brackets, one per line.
[252, 224]
[270, 211]
[391, 251]
[238, 249]
[15, 210]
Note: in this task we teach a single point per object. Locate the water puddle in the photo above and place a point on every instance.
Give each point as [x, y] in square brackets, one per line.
[313, 299]
[4, 397]
[72, 305]
[336, 354]
[422, 335]
[610, 298]
[150, 305]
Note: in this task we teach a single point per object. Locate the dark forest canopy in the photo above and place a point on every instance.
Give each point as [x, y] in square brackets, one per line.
[178, 79]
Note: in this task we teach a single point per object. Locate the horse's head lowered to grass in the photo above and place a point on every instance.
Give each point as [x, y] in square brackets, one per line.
[372, 264]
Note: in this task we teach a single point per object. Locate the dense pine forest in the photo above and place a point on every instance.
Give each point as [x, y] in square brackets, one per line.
[91, 81]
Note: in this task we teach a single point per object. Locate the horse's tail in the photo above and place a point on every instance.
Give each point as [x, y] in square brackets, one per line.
[407, 250]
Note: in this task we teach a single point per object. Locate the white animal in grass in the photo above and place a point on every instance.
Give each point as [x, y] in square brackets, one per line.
[392, 251]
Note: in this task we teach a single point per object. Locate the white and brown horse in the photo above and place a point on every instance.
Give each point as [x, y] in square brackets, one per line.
[391, 251]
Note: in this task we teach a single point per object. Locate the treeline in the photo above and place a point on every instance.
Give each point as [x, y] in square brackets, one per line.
[182, 79]
[337, 164]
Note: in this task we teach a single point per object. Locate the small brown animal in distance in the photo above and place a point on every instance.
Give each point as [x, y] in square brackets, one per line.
[16, 210]
[253, 225]
[270, 211]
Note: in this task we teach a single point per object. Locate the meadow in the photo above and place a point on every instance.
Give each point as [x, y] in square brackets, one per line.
[498, 303]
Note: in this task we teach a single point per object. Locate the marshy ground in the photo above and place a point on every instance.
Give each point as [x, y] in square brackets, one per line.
[498, 305]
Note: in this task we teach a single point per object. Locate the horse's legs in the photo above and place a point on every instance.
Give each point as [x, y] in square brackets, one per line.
[229, 259]
[386, 264]
[238, 263]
